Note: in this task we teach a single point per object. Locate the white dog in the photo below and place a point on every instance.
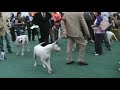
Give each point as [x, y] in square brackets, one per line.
[109, 36]
[119, 68]
[21, 41]
[45, 54]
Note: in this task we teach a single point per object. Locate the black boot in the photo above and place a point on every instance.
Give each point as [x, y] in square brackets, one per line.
[10, 51]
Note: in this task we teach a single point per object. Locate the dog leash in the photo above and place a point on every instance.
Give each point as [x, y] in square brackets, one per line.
[59, 39]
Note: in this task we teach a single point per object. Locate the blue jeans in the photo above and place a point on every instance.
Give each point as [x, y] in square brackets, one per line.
[7, 38]
[56, 32]
[19, 32]
[1, 43]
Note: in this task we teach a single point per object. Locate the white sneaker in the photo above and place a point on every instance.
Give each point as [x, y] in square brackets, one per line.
[96, 54]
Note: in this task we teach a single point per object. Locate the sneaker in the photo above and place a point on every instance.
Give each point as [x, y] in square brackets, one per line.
[82, 63]
[96, 54]
[10, 51]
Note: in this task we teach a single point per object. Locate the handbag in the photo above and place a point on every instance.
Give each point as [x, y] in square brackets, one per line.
[104, 24]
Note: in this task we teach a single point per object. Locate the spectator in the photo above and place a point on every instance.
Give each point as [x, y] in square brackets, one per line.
[4, 32]
[19, 24]
[57, 18]
[12, 28]
[42, 20]
[29, 21]
[99, 35]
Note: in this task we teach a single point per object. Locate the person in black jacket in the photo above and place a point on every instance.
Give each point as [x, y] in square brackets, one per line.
[29, 23]
[12, 28]
[90, 21]
[42, 20]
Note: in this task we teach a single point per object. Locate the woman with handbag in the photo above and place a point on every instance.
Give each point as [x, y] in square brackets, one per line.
[98, 33]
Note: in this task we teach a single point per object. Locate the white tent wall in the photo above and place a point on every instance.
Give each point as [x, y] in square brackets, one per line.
[8, 13]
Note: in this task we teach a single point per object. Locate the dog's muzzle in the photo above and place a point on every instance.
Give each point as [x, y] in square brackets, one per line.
[20, 41]
[58, 49]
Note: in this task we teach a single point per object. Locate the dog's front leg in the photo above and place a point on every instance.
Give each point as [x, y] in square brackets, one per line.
[17, 50]
[22, 50]
[44, 62]
[35, 64]
[28, 50]
[48, 62]
[44, 65]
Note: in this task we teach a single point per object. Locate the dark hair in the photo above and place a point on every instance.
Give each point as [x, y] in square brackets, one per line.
[98, 13]
[18, 13]
[12, 14]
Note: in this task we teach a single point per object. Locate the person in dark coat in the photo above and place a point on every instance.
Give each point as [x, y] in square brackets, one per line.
[42, 20]
[90, 21]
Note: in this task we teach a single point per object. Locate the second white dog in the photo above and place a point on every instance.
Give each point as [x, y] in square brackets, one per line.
[21, 41]
[109, 36]
[45, 54]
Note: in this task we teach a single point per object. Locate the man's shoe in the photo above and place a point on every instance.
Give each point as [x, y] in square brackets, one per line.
[33, 40]
[82, 63]
[5, 57]
[10, 51]
[109, 49]
[71, 62]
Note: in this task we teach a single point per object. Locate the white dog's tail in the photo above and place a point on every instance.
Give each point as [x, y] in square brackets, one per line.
[115, 37]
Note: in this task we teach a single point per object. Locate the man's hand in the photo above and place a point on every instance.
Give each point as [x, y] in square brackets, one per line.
[23, 23]
[92, 26]
[88, 36]
[64, 33]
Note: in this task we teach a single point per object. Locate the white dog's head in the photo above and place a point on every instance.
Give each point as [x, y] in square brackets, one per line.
[19, 39]
[55, 47]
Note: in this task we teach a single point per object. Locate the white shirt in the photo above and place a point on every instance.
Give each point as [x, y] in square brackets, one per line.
[30, 18]
[43, 14]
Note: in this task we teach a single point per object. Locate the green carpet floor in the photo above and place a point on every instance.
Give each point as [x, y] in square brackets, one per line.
[105, 66]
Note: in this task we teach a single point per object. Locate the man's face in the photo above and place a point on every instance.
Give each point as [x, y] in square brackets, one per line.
[30, 14]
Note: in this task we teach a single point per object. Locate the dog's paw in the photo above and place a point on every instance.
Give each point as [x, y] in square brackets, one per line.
[28, 50]
[17, 53]
[44, 66]
[35, 65]
[119, 69]
[22, 54]
[49, 71]
[73, 49]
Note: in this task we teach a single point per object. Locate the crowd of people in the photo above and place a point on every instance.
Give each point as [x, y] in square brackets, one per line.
[76, 26]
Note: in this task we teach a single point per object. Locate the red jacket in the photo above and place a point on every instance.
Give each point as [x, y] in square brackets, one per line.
[56, 17]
